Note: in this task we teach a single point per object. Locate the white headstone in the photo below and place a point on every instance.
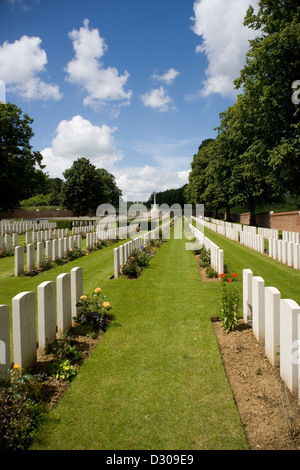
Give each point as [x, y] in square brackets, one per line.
[24, 329]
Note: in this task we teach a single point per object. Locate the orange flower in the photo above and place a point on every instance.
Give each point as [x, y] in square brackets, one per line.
[106, 304]
[97, 290]
[83, 297]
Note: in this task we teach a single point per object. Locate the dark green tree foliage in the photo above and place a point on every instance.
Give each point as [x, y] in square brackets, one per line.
[255, 156]
[86, 187]
[273, 65]
[21, 173]
[169, 197]
[110, 189]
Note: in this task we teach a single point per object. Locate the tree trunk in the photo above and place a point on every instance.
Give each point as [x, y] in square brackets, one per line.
[228, 214]
[252, 214]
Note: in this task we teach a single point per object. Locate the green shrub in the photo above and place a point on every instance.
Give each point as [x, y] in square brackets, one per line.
[63, 224]
[131, 269]
[62, 369]
[204, 259]
[46, 263]
[93, 310]
[211, 273]
[21, 409]
[229, 311]
[63, 348]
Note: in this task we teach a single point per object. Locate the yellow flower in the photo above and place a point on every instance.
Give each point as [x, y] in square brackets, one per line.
[106, 304]
[16, 367]
[83, 297]
[97, 290]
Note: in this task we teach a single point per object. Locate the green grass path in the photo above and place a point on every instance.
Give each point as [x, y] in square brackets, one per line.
[156, 379]
[275, 274]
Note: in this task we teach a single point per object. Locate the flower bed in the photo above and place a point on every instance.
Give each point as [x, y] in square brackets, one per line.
[140, 259]
[26, 396]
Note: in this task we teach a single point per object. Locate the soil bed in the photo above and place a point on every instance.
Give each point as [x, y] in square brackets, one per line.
[259, 392]
[53, 389]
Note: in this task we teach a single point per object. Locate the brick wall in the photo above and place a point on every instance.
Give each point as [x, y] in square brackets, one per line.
[289, 221]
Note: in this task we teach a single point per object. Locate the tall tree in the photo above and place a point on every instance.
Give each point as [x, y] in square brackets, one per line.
[110, 189]
[272, 67]
[86, 187]
[21, 173]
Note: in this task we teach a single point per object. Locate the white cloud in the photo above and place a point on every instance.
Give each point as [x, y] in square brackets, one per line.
[224, 41]
[80, 138]
[158, 99]
[138, 183]
[168, 77]
[20, 64]
[24, 4]
[87, 71]
[169, 167]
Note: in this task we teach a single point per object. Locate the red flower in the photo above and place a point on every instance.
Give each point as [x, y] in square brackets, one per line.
[229, 280]
[235, 275]
[222, 275]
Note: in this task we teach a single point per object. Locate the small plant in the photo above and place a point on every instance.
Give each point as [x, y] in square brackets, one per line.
[227, 277]
[290, 411]
[62, 369]
[21, 409]
[94, 310]
[204, 258]
[46, 263]
[74, 253]
[229, 311]
[131, 269]
[211, 273]
[63, 348]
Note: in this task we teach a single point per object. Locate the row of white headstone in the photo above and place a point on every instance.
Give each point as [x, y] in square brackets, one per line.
[266, 232]
[216, 253]
[112, 233]
[285, 252]
[276, 325]
[8, 242]
[122, 252]
[52, 249]
[36, 327]
[24, 226]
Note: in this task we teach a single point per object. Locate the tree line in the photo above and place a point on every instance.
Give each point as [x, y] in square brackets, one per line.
[255, 156]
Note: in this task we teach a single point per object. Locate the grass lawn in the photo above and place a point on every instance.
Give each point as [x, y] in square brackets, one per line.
[275, 274]
[156, 379]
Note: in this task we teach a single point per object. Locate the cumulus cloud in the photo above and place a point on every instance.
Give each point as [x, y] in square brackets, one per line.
[87, 71]
[168, 77]
[158, 99]
[80, 138]
[224, 41]
[21, 63]
[138, 183]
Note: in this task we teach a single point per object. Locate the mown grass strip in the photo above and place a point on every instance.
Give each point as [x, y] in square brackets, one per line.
[156, 379]
[275, 274]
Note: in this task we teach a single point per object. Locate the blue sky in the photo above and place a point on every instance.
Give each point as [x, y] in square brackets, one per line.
[132, 85]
